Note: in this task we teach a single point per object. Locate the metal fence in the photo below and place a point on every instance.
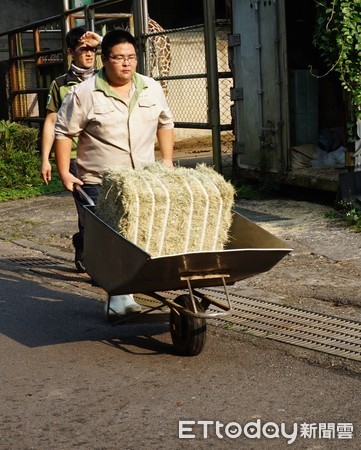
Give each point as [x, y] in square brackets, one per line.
[37, 55]
[181, 67]
[35, 58]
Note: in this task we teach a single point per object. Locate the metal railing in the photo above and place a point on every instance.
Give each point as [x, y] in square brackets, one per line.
[198, 81]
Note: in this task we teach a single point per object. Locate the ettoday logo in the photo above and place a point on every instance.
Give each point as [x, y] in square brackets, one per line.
[204, 429]
[233, 430]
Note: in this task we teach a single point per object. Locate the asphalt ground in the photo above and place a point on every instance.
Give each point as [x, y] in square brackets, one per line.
[71, 380]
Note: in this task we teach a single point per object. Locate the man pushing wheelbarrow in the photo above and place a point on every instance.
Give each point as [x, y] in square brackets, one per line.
[136, 235]
[116, 115]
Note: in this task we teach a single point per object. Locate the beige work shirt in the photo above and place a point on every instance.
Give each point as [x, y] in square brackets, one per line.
[111, 131]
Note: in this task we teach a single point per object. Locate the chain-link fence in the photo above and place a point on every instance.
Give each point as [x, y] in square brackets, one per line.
[177, 58]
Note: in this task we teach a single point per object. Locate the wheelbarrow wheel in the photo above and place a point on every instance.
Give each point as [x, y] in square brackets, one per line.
[188, 333]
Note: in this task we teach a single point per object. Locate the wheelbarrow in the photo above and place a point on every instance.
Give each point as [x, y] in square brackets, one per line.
[120, 267]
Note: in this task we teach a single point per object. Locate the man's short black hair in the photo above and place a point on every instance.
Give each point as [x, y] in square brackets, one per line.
[115, 37]
[73, 36]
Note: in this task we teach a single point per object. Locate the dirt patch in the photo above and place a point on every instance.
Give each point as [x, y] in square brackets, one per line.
[48, 222]
[323, 271]
[191, 147]
[194, 144]
[200, 146]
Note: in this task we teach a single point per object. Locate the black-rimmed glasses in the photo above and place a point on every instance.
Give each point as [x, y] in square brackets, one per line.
[119, 59]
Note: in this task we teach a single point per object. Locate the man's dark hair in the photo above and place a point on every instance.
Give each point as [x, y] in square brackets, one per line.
[73, 36]
[117, 37]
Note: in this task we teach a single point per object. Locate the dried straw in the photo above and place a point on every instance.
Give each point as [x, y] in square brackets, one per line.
[168, 211]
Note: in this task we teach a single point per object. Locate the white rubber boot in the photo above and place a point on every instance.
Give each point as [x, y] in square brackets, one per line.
[122, 305]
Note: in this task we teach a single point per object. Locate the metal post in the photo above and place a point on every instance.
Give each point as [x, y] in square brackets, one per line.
[66, 23]
[145, 16]
[140, 10]
[212, 81]
[89, 14]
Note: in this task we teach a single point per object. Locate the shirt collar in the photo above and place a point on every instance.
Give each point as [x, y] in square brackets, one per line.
[101, 84]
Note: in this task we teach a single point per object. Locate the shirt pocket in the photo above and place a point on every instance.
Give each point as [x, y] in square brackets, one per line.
[103, 109]
[149, 109]
[104, 117]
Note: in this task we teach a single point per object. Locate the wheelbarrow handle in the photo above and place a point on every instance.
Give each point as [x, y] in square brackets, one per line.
[83, 194]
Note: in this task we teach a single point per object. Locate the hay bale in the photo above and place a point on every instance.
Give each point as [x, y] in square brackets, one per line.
[168, 211]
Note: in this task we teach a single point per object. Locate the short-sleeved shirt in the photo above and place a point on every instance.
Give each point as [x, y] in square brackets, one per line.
[59, 88]
[57, 91]
[111, 131]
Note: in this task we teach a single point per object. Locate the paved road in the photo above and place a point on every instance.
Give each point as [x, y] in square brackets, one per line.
[69, 380]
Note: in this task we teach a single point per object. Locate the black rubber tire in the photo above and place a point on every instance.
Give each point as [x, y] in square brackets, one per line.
[188, 333]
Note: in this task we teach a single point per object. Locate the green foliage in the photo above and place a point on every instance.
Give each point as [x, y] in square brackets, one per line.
[332, 214]
[348, 214]
[247, 192]
[5, 128]
[55, 187]
[19, 157]
[19, 169]
[20, 163]
[338, 37]
[14, 137]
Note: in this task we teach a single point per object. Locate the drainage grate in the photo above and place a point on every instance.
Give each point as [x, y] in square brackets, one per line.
[307, 329]
[34, 261]
[316, 331]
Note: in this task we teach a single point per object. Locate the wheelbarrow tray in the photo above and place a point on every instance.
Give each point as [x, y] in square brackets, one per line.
[120, 267]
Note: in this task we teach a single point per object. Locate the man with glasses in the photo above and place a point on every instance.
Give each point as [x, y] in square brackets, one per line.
[81, 46]
[117, 115]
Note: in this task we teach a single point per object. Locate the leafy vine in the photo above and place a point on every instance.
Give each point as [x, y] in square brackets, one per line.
[338, 37]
